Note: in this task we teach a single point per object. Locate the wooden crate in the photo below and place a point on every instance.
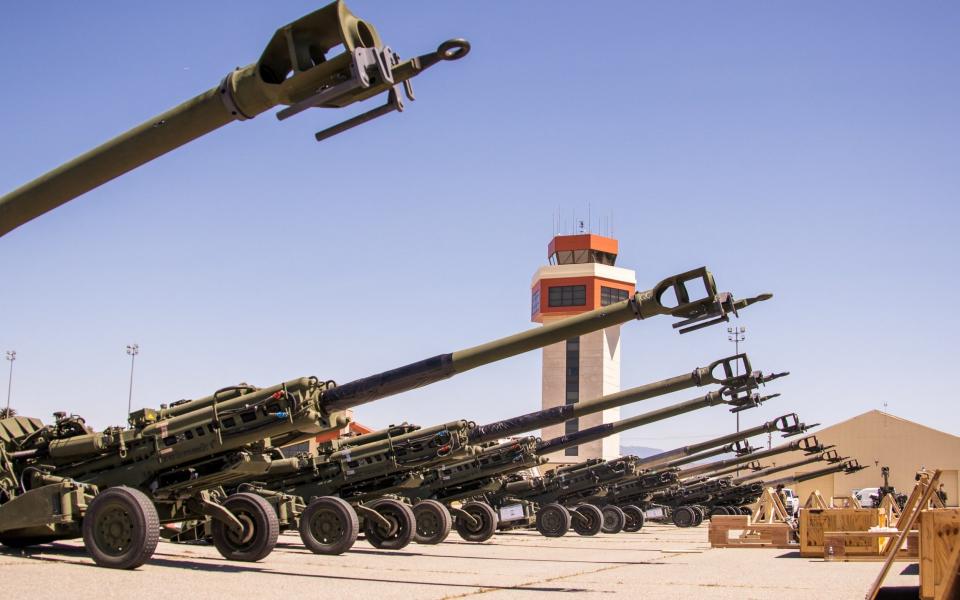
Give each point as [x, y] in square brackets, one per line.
[814, 522]
[835, 545]
[939, 537]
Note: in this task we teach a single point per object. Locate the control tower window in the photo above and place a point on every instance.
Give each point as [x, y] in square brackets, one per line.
[579, 257]
[568, 295]
[609, 295]
[535, 302]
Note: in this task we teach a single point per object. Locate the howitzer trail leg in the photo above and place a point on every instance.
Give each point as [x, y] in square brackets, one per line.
[590, 521]
[260, 528]
[402, 525]
[553, 520]
[121, 528]
[484, 524]
[433, 522]
[329, 525]
[614, 519]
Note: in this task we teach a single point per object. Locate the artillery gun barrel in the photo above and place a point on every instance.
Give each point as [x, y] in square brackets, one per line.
[601, 431]
[786, 424]
[298, 68]
[695, 313]
[735, 468]
[829, 456]
[801, 477]
[721, 372]
[808, 445]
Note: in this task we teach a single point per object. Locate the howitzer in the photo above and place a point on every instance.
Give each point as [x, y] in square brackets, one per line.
[829, 456]
[848, 467]
[379, 463]
[581, 484]
[180, 456]
[788, 425]
[720, 372]
[808, 445]
[329, 58]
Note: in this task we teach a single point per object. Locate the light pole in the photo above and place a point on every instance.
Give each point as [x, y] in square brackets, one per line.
[737, 335]
[133, 350]
[11, 356]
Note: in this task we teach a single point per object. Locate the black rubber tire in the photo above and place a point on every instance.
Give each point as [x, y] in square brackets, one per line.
[487, 526]
[121, 528]
[403, 525]
[329, 525]
[700, 514]
[433, 522]
[553, 520]
[260, 528]
[614, 519]
[635, 518]
[684, 516]
[745, 510]
[594, 520]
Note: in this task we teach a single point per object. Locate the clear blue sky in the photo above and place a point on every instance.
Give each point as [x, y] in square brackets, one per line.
[806, 149]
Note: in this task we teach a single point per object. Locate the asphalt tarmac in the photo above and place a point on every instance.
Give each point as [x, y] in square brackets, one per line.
[660, 562]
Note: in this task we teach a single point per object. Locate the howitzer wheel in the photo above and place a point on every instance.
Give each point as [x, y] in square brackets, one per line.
[592, 523]
[433, 522]
[260, 528]
[402, 525]
[121, 528]
[329, 525]
[684, 516]
[635, 518]
[553, 520]
[487, 521]
[745, 510]
[614, 519]
[700, 515]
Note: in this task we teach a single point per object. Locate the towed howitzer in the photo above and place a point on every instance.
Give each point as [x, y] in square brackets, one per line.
[180, 456]
[808, 445]
[788, 425]
[829, 456]
[574, 484]
[390, 461]
[328, 58]
[734, 499]
[698, 497]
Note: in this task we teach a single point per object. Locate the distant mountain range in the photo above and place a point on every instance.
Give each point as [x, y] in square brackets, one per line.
[641, 451]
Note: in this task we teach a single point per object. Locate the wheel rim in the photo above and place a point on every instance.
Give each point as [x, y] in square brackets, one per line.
[551, 519]
[113, 531]
[428, 523]
[243, 538]
[610, 520]
[327, 526]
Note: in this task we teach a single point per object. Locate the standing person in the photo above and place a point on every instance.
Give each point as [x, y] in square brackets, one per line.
[943, 495]
[782, 496]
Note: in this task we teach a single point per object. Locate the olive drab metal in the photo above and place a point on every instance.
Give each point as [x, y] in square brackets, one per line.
[327, 59]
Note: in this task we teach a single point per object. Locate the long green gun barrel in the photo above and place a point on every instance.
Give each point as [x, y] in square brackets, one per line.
[829, 456]
[739, 448]
[329, 58]
[694, 312]
[722, 372]
[607, 429]
[788, 425]
[808, 445]
[849, 467]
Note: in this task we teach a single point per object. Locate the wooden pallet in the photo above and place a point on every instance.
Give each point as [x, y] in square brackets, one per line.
[939, 548]
[747, 533]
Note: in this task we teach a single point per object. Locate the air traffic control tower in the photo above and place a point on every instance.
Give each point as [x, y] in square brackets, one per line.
[581, 276]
